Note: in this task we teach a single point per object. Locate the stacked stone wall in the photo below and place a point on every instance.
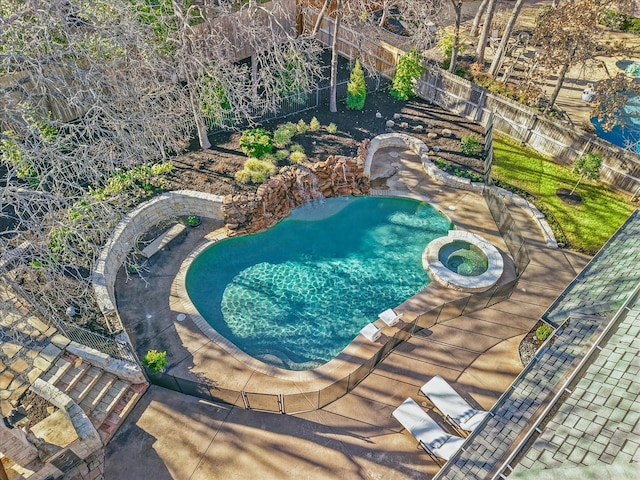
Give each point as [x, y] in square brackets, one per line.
[168, 205]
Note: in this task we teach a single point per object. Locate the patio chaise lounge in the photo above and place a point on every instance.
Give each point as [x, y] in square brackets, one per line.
[452, 405]
[390, 317]
[437, 442]
[371, 332]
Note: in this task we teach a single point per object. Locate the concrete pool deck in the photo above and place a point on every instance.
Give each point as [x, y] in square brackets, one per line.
[177, 436]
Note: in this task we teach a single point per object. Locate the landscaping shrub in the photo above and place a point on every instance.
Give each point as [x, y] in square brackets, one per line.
[356, 88]
[408, 71]
[445, 44]
[255, 171]
[332, 128]
[297, 157]
[283, 135]
[296, 147]
[301, 126]
[314, 125]
[282, 154]
[256, 142]
[543, 332]
[470, 145]
[155, 360]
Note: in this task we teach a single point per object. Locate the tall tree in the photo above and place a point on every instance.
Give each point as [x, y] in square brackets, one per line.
[484, 34]
[333, 105]
[477, 18]
[87, 100]
[502, 48]
[568, 35]
[457, 8]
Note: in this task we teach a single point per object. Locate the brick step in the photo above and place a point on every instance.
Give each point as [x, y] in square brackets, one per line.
[121, 409]
[83, 387]
[70, 379]
[98, 392]
[108, 403]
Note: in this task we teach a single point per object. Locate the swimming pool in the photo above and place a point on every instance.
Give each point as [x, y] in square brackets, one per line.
[628, 132]
[297, 294]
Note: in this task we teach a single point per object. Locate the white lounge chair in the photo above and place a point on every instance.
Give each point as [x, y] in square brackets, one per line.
[437, 442]
[371, 332]
[452, 405]
[390, 317]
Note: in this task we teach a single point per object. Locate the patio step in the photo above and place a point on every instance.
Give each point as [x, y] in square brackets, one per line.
[111, 418]
[83, 387]
[104, 398]
[98, 392]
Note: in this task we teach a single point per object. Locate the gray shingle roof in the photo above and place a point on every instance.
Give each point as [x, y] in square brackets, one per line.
[584, 309]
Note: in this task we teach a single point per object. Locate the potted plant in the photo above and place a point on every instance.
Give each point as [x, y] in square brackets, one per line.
[155, 361]
[193, 220]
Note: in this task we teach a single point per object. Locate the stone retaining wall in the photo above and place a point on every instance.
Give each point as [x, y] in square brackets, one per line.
[158, 209]
[420, 149]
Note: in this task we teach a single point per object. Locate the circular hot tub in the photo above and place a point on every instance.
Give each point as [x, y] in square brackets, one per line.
[463, 261]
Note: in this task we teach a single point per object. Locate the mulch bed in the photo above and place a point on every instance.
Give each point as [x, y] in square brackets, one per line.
[213, 170]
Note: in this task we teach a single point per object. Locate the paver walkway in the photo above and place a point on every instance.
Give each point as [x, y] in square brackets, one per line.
[175, 436]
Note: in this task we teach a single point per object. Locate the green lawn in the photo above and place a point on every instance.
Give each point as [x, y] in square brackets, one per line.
[587, 226]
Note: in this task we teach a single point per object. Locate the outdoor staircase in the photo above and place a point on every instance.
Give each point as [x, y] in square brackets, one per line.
[104, 398]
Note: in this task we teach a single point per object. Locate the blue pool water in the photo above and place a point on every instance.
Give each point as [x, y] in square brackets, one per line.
[628, 132]
[297, 294]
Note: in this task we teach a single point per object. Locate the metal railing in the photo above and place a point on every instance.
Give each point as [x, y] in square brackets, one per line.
[313, 400]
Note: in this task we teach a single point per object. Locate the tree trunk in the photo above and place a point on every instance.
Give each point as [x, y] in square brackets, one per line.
[200, 125]
[556, 91]
[316, 27]
[333, 104]
[484, 35]
[457, 7]
[476, 19]
[383, 17]
[498, 57]
[576, 185]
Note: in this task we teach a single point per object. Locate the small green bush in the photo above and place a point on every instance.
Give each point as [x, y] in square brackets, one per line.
[283, 135]
[282, 154]
[470, 145]
[256, 142]
[445, 43]
[296, 147]
[356, 88]
[243, 176]
[332, 128]
[155, 360]
[314, 125]
[543, 332]
[408, 71]
[255, 171]
[297, 157]
[301, 126]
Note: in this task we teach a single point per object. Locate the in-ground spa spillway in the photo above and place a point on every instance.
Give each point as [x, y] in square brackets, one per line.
[297, 294]
[463, 261]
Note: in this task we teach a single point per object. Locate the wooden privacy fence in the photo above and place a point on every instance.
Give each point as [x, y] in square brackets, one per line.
[372, 52]
[620, 167]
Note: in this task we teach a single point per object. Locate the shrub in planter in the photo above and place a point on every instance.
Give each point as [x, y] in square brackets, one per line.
[155, 360]
[332, 128]
[255, 171]
[543, 332]
[193, 220]
[256, 142]
[301, 126]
